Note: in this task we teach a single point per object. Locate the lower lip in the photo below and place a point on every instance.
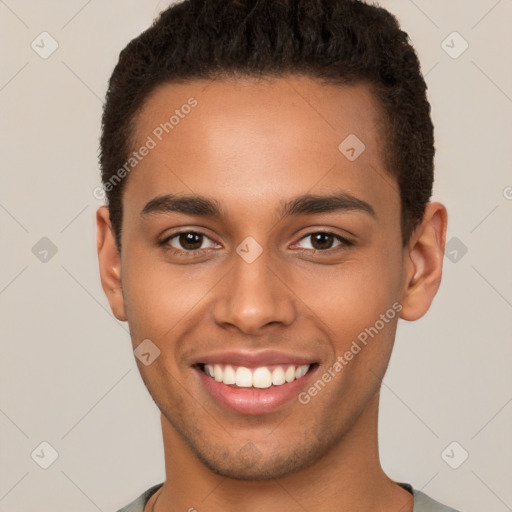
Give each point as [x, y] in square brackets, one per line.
[253, 400]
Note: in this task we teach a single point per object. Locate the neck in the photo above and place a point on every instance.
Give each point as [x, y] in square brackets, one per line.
[348, 477]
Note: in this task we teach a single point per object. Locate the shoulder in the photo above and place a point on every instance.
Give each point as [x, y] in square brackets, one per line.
[424, 503]
[139, 504]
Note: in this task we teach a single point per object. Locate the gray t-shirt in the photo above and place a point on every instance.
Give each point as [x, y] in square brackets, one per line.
[422, 503]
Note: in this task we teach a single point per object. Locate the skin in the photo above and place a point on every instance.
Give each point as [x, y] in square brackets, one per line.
[250, 145]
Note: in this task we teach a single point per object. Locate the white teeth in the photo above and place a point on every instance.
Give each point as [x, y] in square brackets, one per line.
[229, 375]
[300, 372]
[217, 373]
[243, 377]
[289, 374]
[278, 376]
[261, 377]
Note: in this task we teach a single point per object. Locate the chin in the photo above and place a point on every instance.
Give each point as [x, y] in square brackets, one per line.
[249, 463]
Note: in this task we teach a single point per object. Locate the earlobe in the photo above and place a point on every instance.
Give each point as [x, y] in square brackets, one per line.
[424, 262]
[109, 261]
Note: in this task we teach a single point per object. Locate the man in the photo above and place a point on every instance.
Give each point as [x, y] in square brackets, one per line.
[268, 166]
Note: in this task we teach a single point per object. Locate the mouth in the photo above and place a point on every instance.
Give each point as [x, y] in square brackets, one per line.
[254, 389]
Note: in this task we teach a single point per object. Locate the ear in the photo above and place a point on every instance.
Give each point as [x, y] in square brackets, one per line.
[424, 262]
[109, 260]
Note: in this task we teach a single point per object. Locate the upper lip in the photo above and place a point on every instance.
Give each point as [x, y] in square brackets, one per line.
[253, 359]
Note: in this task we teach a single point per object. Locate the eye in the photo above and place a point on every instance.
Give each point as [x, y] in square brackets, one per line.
[322, 241]
[189, 241]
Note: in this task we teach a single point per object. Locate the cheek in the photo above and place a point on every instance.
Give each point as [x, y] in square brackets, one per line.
[158, 295]
[351, 296]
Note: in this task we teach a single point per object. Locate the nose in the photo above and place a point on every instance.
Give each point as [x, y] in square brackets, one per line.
[253, 297]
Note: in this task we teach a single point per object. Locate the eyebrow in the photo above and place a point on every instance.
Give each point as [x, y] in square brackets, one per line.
[311, 204]
[192, 205]
[303, 205]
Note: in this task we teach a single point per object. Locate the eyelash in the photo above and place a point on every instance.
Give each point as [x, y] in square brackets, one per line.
[182, 252]
[164, 244]
[344, 243]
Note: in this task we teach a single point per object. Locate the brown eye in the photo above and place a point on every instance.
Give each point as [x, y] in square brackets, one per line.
[322, 241]
[189, 241]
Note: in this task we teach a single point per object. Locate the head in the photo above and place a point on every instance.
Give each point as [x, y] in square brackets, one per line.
[281, 203]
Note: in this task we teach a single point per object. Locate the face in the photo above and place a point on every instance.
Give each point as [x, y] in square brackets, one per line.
[251, 244]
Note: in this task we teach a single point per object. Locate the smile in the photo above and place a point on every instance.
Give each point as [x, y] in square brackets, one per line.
[254, 383]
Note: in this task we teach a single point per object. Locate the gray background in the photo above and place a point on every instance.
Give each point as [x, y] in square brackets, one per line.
[68, 376]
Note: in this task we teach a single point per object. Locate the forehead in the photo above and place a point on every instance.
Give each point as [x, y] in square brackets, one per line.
[258, 141]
